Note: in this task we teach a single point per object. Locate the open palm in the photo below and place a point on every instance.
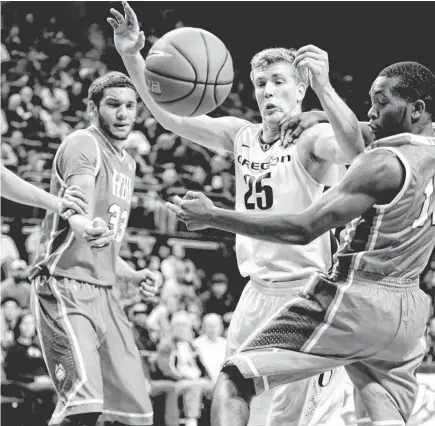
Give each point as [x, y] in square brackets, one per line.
[128, 39]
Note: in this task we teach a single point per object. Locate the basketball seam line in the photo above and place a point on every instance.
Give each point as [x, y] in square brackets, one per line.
[208, 71]
[217, 76]
[188, 61]
[174, 77]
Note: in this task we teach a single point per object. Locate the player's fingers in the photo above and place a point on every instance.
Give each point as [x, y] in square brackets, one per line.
[129, 13]
[146, 294]
[78, 206]
[310, 48]
[118, 16]
[113, 23]
[297, 132]
[176, 209]
[191, 195]
[141, 40]
[101, 242]
[99, 222]
[306, 55]
[76, 191]
[177, 200]
[93, 231]
[67, 214]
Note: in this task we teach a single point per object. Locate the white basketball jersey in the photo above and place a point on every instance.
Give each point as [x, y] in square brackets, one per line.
[275, 181]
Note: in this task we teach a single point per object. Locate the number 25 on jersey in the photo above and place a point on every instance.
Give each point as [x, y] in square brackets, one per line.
[429, 201]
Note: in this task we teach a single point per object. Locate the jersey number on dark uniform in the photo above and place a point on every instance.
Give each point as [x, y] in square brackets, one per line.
[258, 195]
[428, 192]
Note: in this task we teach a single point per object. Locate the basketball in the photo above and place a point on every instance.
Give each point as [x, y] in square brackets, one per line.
[189, 72]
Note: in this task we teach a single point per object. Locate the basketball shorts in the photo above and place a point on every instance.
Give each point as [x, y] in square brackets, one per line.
[372, 325]
[313, 401]
[89, 349]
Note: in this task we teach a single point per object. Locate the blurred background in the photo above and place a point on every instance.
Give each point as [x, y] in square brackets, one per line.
[50, 54]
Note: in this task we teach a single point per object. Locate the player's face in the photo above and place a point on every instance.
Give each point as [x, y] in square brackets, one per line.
[277, 91]
[117, 112]
[389, 113]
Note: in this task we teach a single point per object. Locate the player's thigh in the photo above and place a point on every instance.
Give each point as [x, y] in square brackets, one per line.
[315, 401]
[69, 342]
[387, 389]
[122, 366]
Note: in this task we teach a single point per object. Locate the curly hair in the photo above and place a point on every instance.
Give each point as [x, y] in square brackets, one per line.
[111, 79]
[415, 82]
[275, 54]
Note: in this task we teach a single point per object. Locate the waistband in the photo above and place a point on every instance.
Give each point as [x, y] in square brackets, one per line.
[277, 288]
[373, 280]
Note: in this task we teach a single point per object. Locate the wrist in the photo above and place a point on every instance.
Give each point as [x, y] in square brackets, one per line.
[324, 90]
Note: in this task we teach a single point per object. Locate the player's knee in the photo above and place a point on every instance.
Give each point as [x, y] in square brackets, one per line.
[232, 384]
[87, 419]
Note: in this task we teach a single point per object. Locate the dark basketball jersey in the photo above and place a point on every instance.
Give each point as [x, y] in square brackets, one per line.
[60, 254]
[396, 239]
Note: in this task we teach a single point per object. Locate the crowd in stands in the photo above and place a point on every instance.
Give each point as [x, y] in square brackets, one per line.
[180, 332]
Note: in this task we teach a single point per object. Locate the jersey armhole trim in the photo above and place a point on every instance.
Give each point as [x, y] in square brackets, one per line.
[238, 134]
[407, 167]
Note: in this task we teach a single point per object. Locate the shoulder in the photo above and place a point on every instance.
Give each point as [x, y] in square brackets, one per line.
[232, 125]
[82, 138]
[376, 170]
[310, 138]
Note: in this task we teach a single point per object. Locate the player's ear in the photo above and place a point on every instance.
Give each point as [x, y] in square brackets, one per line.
[300, 92]
[92, 109]
[418, 108]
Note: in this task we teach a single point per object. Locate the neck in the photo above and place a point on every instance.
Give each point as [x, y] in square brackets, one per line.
[424, 130]
[271, 131]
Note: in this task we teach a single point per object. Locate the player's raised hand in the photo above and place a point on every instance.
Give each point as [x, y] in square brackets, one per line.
[291, 128]
[195, 210]
[73, 201]
[147, 282]
[128, 39]
[316, 62]
[99, 235]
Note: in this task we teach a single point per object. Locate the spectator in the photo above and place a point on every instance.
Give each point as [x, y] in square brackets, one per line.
[217, 300]
[160, 317]
[15, 120]
[177, 360]
[24, 364]
[4, 127]
[9, 158]
[17, 286]
[146, 339]
[8, 253]
[55, 127]
[162, 154]
[11, 311]
[211, 346]
[17, 141]
[177, 285]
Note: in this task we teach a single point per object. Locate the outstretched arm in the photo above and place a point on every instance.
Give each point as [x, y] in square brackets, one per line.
[374, 178]
[348, 141]
[16, 189]
[214, 133]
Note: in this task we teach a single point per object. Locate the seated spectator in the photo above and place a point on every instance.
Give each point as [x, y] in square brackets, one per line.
[162, 153]
[211, 346]
[177, 360]
[177, 285]
[160, 317]
[17, 141]
[8, 253]
[11, 311]
[4, 127]
[9, 158]
[55, 127]
[146, 339]
[217, 300]
[18, 285]
[14, 118]
[24, 364]
[54, 97]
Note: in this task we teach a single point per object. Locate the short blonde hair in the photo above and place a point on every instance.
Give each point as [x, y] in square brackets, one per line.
[276, 54]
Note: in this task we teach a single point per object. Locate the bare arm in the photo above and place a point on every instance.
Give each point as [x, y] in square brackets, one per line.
[348, 141]
[16, 189]
[214, 133]
[374, 178]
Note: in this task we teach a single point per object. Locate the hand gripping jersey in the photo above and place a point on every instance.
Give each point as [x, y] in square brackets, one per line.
[396, 239]
[60, 253]
[275, 181]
